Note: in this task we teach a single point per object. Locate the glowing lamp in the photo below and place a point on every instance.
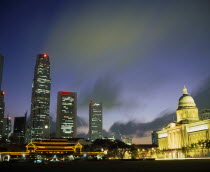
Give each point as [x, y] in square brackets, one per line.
[45, 55]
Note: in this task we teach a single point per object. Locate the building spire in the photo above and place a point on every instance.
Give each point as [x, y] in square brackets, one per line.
[185, 90]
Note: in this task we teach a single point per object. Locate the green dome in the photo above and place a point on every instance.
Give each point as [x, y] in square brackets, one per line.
[186, 100]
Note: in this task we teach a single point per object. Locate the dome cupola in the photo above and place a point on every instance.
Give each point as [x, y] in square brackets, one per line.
[185, 100]
[187, 110]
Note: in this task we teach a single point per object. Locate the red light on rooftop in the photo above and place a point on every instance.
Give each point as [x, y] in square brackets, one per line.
[3, 92]
[45, 55]
[65, 93]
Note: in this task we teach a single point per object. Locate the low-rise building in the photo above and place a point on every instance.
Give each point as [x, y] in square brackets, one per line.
[178, 136]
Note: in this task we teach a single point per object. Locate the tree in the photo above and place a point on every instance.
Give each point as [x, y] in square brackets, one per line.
[115, 149]
[120, 148]
[134, 152]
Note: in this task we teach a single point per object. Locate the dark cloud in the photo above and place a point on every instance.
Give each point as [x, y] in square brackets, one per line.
[107, 134]
[202, 95]
[106, 90]
[140, 129]
[81, 122]
[82, 135]
[86, 135]
[133, 128]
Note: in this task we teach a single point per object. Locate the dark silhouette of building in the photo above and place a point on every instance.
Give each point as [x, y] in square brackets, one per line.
[20, 129]
[95, 120]
[1, 69]
[2, 105]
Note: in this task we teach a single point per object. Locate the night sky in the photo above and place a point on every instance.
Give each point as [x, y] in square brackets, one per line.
[134, 56]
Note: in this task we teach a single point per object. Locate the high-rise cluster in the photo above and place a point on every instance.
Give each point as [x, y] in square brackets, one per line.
[38, 127]
[5, 122]
[1, 98]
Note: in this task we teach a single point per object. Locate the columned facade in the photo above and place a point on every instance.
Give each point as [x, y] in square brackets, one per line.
[184, 132]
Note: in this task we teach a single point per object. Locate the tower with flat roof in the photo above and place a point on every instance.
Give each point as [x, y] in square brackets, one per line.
[1, 68]
[95, 120]
[66, 115]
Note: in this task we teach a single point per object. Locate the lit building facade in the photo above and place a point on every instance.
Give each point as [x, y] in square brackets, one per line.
[95, 121]
[7, 128]
[2, 107]
[54, 146]
[1, 96]
[66, 121]
[40, 101]
[155, 137]
[1, 68]
[184, 132]
[127, 140]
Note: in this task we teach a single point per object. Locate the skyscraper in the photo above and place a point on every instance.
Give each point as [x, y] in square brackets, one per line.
[1, 113]
[20, 128]
[66, 115]
[1, 68]
[40, 101]
[1, 97]
[7, 128]
[95, 120]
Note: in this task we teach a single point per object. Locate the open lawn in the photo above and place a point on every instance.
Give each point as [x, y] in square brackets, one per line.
[113, 165]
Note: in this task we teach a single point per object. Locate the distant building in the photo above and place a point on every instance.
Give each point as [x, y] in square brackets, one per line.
[40, 100]
[127, 140]
[155, 137]
[7, 128]
[2, 107]
[66, 121]
[1, 68]
[204, 114]
[54, 146]
[109, 138]
[95, 120]
[19, 129]
[1, 96]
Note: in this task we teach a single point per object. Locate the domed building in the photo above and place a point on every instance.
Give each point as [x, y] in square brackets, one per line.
[185, 131]
[187, 110]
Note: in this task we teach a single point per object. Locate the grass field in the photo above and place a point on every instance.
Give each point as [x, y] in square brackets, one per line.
[115, 165]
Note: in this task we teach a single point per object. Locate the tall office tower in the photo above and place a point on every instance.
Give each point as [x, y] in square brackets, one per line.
[66, 121]
[155, 137]
[7, 128]
[1, 97]
[19, 129]
[40, 101]
[1, 68]
[1, 113]
[95, 120]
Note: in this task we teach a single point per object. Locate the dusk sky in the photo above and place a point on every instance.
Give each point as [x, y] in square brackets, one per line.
[133, 56]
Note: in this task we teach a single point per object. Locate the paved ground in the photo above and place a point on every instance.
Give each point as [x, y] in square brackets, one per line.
[115, 165]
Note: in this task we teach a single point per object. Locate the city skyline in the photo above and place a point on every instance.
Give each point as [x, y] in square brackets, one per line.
[134, 56]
